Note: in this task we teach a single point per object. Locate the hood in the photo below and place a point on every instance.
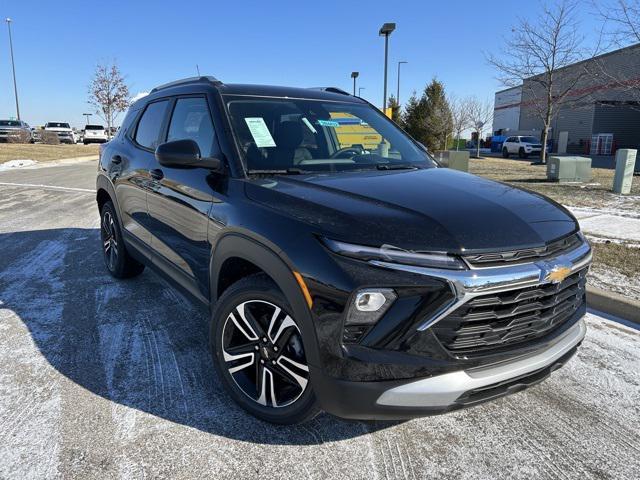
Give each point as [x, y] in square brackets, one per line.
[435, 209]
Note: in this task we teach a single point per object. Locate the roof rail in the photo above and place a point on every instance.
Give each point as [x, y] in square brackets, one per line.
[331, 89]
[187, 81]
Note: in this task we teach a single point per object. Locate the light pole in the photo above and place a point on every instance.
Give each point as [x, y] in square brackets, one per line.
[385, 31]
[398, 93]
[13, 66]
[88, 115]
[360, 90]
[354, 75]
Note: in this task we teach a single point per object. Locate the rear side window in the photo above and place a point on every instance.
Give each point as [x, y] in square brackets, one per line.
[148, 132]
[191, 120]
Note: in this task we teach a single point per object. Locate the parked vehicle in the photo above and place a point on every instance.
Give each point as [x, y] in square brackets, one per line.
[94, 134]
[366, 282]
[523, 146]
[15, 131]
[62, 129]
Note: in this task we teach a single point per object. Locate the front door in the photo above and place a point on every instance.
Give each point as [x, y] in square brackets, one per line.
[180, 200]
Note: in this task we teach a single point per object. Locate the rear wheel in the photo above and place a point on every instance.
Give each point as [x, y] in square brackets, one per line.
[522, 153]
[116, 258]
[258, 352]
[505, 153]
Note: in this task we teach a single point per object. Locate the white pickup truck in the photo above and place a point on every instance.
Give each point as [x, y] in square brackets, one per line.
[62, 129]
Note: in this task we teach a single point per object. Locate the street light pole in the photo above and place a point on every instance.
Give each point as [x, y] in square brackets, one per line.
[354, 75]
[398, 93]
[13, 66]
[360, 90]
[88, 115]
[385, 31]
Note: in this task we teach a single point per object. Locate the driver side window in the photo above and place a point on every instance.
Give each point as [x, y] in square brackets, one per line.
[191, 120]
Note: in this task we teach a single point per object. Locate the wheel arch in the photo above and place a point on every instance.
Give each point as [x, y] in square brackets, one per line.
[253, 256]
[104, 193]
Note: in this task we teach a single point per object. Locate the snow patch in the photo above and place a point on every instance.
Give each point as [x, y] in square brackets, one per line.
[12, 164]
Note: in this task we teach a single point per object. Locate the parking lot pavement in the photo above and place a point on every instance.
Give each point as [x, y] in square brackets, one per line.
[108, 379]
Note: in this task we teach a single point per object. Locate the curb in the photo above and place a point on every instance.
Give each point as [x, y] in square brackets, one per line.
[613, 304]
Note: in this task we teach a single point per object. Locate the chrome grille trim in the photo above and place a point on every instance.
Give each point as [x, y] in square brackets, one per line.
[469, 284]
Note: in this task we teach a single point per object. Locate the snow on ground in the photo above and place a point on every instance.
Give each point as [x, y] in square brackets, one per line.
[614, 281]
[12, 164]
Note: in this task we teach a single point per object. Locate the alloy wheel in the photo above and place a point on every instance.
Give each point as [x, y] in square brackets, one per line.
[109, 240]
[263, 352]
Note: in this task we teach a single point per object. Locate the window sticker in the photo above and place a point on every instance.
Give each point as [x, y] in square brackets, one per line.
[328, 123]
[260, 132]
[308, 124]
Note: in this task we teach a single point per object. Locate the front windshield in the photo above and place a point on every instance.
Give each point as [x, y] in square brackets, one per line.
[301, 135]
[529, 140]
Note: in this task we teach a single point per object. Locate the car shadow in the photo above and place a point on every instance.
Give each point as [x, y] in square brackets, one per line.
[136, 342]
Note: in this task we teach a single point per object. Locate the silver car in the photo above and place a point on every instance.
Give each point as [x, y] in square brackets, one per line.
[15, 130]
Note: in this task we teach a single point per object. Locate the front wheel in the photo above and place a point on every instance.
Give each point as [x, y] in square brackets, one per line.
[522, 153]
[258, 352]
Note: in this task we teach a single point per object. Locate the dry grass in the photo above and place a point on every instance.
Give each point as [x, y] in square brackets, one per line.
[623, 258]
[595, 194]
[44, 153]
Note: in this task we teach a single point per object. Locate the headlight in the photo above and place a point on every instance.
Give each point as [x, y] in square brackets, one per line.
[388, 253]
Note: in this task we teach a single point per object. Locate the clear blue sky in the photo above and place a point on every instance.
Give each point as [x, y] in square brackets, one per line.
[58, 43]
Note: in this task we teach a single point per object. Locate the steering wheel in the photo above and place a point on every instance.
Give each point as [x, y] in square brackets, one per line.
[347, 152]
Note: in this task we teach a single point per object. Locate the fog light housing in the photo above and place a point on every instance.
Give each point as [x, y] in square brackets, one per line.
[369, 305]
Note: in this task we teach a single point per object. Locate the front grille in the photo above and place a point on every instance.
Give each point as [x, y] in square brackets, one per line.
[497, 320]
[528, 254]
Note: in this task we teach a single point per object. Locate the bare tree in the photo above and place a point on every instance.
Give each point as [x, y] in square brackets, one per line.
[459, 115]
[622, 20]
[109, 94]
[480, 115]
[620, 28]
[535, 57]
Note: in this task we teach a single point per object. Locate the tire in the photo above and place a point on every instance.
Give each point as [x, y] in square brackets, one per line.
[269, 379]
[116, 258]
[522, 154]
[505, 153]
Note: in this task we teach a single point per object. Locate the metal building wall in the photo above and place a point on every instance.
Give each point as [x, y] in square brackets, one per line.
[614, 78]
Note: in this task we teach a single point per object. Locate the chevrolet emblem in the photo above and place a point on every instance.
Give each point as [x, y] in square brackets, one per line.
[557, 274]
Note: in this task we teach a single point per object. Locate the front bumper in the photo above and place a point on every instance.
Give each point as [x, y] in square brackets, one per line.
[401, 369]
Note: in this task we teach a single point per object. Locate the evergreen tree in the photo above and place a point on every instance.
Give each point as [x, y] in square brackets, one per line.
[413, 118]
[428, 118]
[438, 116]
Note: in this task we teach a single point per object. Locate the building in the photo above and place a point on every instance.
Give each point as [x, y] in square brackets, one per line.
[602, 112]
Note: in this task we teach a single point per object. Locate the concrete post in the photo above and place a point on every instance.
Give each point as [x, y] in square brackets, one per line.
[625, 163]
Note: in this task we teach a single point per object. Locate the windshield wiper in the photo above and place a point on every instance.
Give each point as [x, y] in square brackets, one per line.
[400, 166]
[285, 171]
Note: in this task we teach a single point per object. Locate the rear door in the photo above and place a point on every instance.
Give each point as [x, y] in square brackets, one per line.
[134, 157]
[180, 200]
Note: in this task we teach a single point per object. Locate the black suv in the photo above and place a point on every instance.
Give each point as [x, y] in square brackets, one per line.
[344, 269]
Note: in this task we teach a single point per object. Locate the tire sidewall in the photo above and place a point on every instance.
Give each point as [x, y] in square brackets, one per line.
[255, 288]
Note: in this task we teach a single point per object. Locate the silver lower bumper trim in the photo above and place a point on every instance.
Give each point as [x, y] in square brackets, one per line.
[443, 390]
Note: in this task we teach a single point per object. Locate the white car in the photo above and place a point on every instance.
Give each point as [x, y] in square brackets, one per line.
[94, 134]
[62, 129]
[523, 146]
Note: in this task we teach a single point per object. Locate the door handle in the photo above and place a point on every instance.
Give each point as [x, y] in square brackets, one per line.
[116, 159]
[156, 174]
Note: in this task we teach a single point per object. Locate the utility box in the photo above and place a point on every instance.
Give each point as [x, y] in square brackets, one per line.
[459, 160]
[625, 163]
[569, 169]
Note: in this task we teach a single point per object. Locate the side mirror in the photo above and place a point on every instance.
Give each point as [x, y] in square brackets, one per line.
[186, 154]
